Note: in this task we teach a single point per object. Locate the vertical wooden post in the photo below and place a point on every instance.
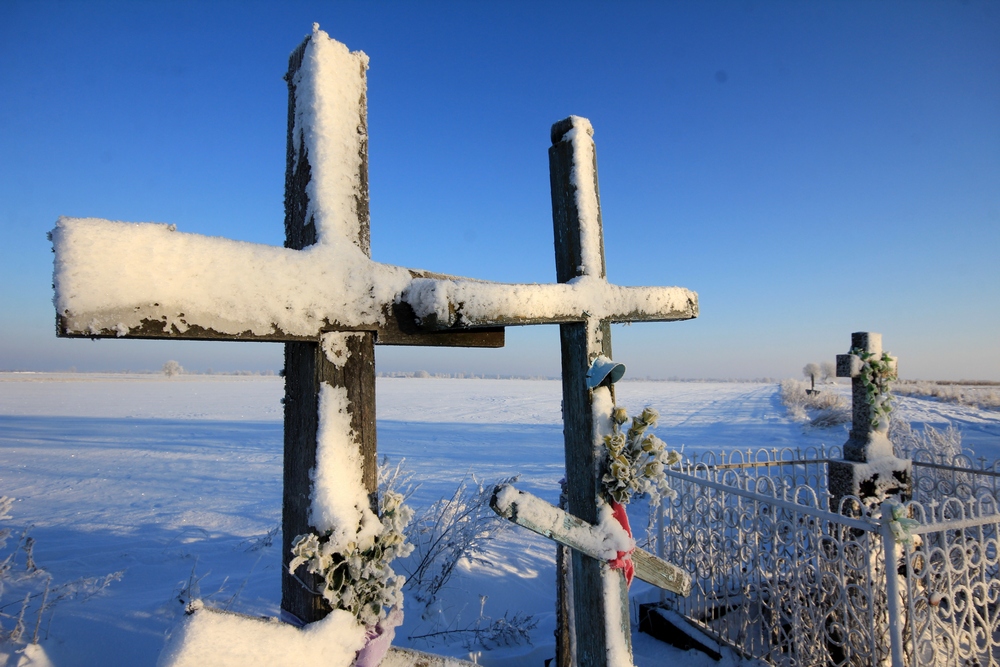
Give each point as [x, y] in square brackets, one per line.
[307, 368]
[581, 343]
[564, 588]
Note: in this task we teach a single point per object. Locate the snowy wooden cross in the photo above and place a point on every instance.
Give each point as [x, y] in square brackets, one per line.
[329, 303]
[869, 470]
[585, 305]
[321, 295]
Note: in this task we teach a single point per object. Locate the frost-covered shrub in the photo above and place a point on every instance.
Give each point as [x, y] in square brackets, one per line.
[450, 530]
[360, 580]
[634, 461]
[443, 535]
[820, 410]
[944, 443]
[172, 368]
[486, 631]
[829, 417]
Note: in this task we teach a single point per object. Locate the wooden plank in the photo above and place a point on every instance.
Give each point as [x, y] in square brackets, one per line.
[307, 369]
[301, 413]
[675, 304]
[408, 657]
[654, 570]
[577, 534]
[564, 584]
[396, 331]
[301, 404]
[580, 343]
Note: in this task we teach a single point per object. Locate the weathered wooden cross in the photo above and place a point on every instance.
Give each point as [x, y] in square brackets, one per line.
[330, 303]
[869, 470]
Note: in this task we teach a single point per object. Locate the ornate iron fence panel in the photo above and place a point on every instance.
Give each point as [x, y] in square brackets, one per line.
[952, 583]
[780, 578]
[937, 477]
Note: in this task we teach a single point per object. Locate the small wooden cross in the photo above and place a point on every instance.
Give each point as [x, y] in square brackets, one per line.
[329, 303]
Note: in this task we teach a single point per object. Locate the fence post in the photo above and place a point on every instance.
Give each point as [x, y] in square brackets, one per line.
[660, 546]
[892, 588]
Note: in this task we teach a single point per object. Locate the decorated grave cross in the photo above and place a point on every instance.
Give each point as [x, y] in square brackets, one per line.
[869, 470]
[330, 303]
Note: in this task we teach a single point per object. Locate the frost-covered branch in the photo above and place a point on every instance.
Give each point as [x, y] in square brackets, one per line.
[485, 631]
[448, 531]
[28, 589]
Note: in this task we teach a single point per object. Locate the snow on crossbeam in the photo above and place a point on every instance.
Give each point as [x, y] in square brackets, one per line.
[602, 541]
[444, 304]
[147, 280]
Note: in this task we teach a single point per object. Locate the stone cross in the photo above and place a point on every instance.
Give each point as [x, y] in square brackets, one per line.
[329, 303]
[865, 442]
[869, 470]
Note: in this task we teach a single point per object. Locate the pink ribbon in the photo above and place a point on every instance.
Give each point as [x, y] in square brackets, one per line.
[624, 559]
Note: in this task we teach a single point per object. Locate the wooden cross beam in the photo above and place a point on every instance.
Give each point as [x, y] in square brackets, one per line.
[538, 516]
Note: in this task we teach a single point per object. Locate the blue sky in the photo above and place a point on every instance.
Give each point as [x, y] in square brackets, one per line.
[810, 169]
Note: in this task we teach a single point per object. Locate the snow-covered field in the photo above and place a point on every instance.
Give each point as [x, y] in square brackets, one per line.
[176, 482]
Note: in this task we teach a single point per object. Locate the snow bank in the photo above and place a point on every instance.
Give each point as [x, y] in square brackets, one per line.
[30, 655]
[224, 639]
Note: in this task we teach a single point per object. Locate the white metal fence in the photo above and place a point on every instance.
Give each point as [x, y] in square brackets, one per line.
[781, 578]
